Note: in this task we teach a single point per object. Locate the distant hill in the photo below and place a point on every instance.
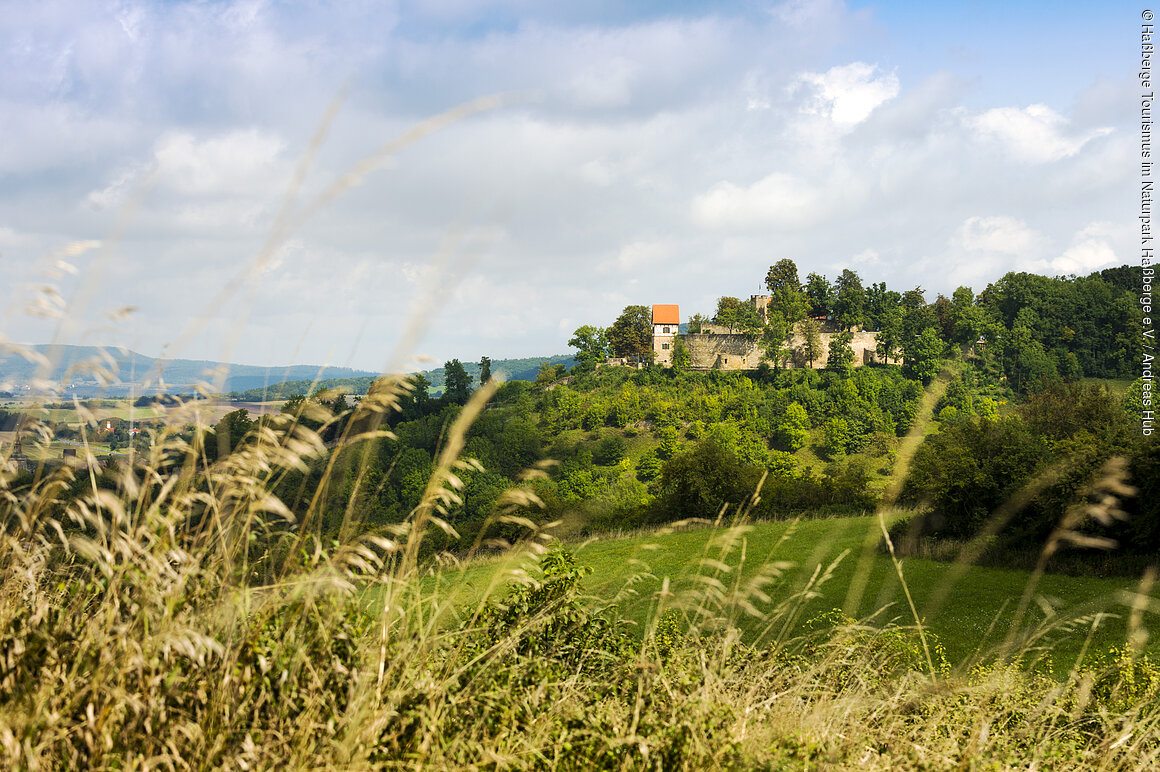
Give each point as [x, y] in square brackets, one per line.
[132, 372]
[509, 369]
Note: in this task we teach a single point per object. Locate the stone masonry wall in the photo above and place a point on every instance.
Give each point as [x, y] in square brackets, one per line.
[724, 351]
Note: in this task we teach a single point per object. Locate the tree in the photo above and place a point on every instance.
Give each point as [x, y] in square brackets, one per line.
[820, 294]
[944, 316]
[630, 336]
[841, 357]
[786, 298]
[850, 300]
[232, 430]
[921, 356]
[878, 301]
[550, 373]
[592, 347]
[456, 382]
[1025, 363]
[417, 402]
[484, 370]
[812, 340]
[738, 315]
[699, 481]
[916, 316]
[889, 332]
[794, 431]
[681, 358]
[610, 450]
[696, 321]
[970, 468]
[835, 437]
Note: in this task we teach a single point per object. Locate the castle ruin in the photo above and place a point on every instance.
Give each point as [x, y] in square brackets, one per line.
[717, 347]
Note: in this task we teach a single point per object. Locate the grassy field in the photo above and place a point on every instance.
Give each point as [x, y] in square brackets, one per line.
[208, 411]
[972, 609]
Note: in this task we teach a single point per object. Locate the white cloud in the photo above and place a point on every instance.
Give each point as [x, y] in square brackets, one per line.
[1084, 257]
[780, 199]
[848, 94]
[1036, 134]
[636, 256]
[603, 83]
[10, 238]
[114, 194]
[1005, 235]
[809, 13]
[1091, 249]
[220, 165]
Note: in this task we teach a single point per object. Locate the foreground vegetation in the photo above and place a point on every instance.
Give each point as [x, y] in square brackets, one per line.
[184, 617]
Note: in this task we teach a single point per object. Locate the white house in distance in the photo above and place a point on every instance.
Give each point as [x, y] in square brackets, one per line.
[666, 324]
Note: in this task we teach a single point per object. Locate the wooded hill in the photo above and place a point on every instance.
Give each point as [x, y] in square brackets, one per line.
[631, 447]
[650, 446]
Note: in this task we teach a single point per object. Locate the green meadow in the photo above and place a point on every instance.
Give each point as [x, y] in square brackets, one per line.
[815, 566]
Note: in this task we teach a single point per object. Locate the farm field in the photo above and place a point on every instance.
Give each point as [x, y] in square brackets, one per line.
[971, 609]
[206, 412]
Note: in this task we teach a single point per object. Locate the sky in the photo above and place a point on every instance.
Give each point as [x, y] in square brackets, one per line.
[387, 185]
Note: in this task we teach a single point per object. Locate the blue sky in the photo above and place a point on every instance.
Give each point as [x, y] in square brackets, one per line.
[644, 153]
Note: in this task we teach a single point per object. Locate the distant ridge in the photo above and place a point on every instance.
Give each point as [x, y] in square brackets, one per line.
[509, 369]
[73, 366]
[247, 382]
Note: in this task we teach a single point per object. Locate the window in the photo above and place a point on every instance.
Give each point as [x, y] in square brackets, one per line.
[666, 330]
[665, 346]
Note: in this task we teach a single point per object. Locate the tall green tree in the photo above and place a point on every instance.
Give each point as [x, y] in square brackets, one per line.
[786, 298]
[484, 370]
[889, 332]
[738, 315]
[835, 437]
[591, 344]
[820, 294]
[841, 356]
[811, 331]
[794, 430]
[922, 355]
[916, 315]
[944, 316]
[1025, 362]
[456, 382]
[850, 300]
[631, 334]
[878, 301]
[229, 433]
[775, 339]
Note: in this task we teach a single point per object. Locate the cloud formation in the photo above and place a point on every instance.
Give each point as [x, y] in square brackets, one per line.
[644, 154]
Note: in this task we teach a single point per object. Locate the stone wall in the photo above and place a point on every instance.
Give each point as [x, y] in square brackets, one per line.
[711, 351]
[865, 345]
[717, 349]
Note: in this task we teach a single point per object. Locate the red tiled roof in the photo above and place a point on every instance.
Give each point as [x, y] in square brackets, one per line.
[666, 315]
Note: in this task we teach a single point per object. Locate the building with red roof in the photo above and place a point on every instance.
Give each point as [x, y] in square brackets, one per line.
[666, 325]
